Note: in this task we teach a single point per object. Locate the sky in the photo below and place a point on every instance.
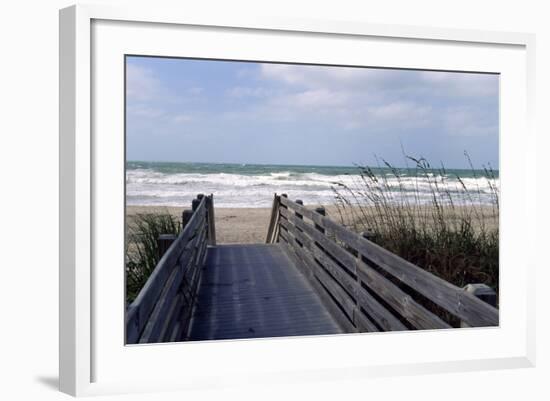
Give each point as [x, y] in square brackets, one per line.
[246, 112]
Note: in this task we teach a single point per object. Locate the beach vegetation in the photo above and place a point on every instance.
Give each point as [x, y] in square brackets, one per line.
[143, 231]
[452, 233]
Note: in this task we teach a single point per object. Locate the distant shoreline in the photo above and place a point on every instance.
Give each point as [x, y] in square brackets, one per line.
[355, 165]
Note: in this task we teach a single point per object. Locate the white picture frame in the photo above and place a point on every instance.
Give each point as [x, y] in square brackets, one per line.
[91, 40]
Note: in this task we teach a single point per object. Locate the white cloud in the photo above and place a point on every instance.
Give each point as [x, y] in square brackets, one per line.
[357, 79]
[345, 99]
[156, 115]
[460, 84]
[141, 83]
[246, 91]
[359, 98]
[400, 111]
[311, 99]
[348, 78]
[142, 110]
[464, 121]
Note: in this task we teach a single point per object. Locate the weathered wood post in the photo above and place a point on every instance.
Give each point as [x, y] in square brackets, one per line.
[369, 234]
[273, 229]
[301, 217]
[163, 243]
[195, 204]
[483, 292]
[211, 220]
[299, 202]
[185, 217]
[285, 207]
[321, 210]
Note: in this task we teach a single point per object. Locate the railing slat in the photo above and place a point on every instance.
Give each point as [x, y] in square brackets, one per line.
[283, 236]
[150, 318]
[333, 309]
[273, 221]
[342, 277]
[333, 248]
[383, 317]
[211, 221]
[174, 314]
[176, 334]
[192, 279]
[453, 299]
[363, 322]
[337, 292]
[413, 312]
[152, 330]
[147, 297]
[416, 314]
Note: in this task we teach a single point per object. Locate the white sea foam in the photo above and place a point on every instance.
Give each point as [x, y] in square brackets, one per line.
[151, 187]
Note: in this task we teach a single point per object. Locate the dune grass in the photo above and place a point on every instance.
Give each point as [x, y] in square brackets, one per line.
[143, 231]
[454, 235]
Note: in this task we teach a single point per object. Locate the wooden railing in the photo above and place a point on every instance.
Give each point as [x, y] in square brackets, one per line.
[364, 285]
[162, 310]
[273, 229]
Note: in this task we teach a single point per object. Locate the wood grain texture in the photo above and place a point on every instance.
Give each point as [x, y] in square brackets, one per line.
[154, 314]
[313, 277]
[451, 298]
[211, 220]
[251, 291]
[323, 293]
[342, 288]
[273, 221]
[345, 278]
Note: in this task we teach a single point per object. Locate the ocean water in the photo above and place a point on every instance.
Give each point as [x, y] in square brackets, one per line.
[253, 185]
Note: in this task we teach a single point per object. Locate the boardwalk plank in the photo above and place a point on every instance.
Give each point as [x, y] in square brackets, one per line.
[256, 291]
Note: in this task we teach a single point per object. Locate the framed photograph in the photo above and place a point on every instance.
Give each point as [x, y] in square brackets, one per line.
[271, 199]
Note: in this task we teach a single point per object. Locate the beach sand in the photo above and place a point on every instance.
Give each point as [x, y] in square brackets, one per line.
[233, 225]
[249, 225]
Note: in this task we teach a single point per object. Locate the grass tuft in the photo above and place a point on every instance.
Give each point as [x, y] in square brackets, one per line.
[454, 235]
[142, 247]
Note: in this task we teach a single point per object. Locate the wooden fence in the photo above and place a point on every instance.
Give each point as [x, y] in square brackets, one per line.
[367, 287]
[161, 312]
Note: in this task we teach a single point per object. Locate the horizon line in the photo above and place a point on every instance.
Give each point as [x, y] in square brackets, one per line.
[357, 165]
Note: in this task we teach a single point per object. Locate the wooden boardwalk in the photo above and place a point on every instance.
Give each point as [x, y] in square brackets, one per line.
[313, 276]
[251, 291]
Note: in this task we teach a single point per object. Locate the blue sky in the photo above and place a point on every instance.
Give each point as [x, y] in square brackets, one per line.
[239, 112]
